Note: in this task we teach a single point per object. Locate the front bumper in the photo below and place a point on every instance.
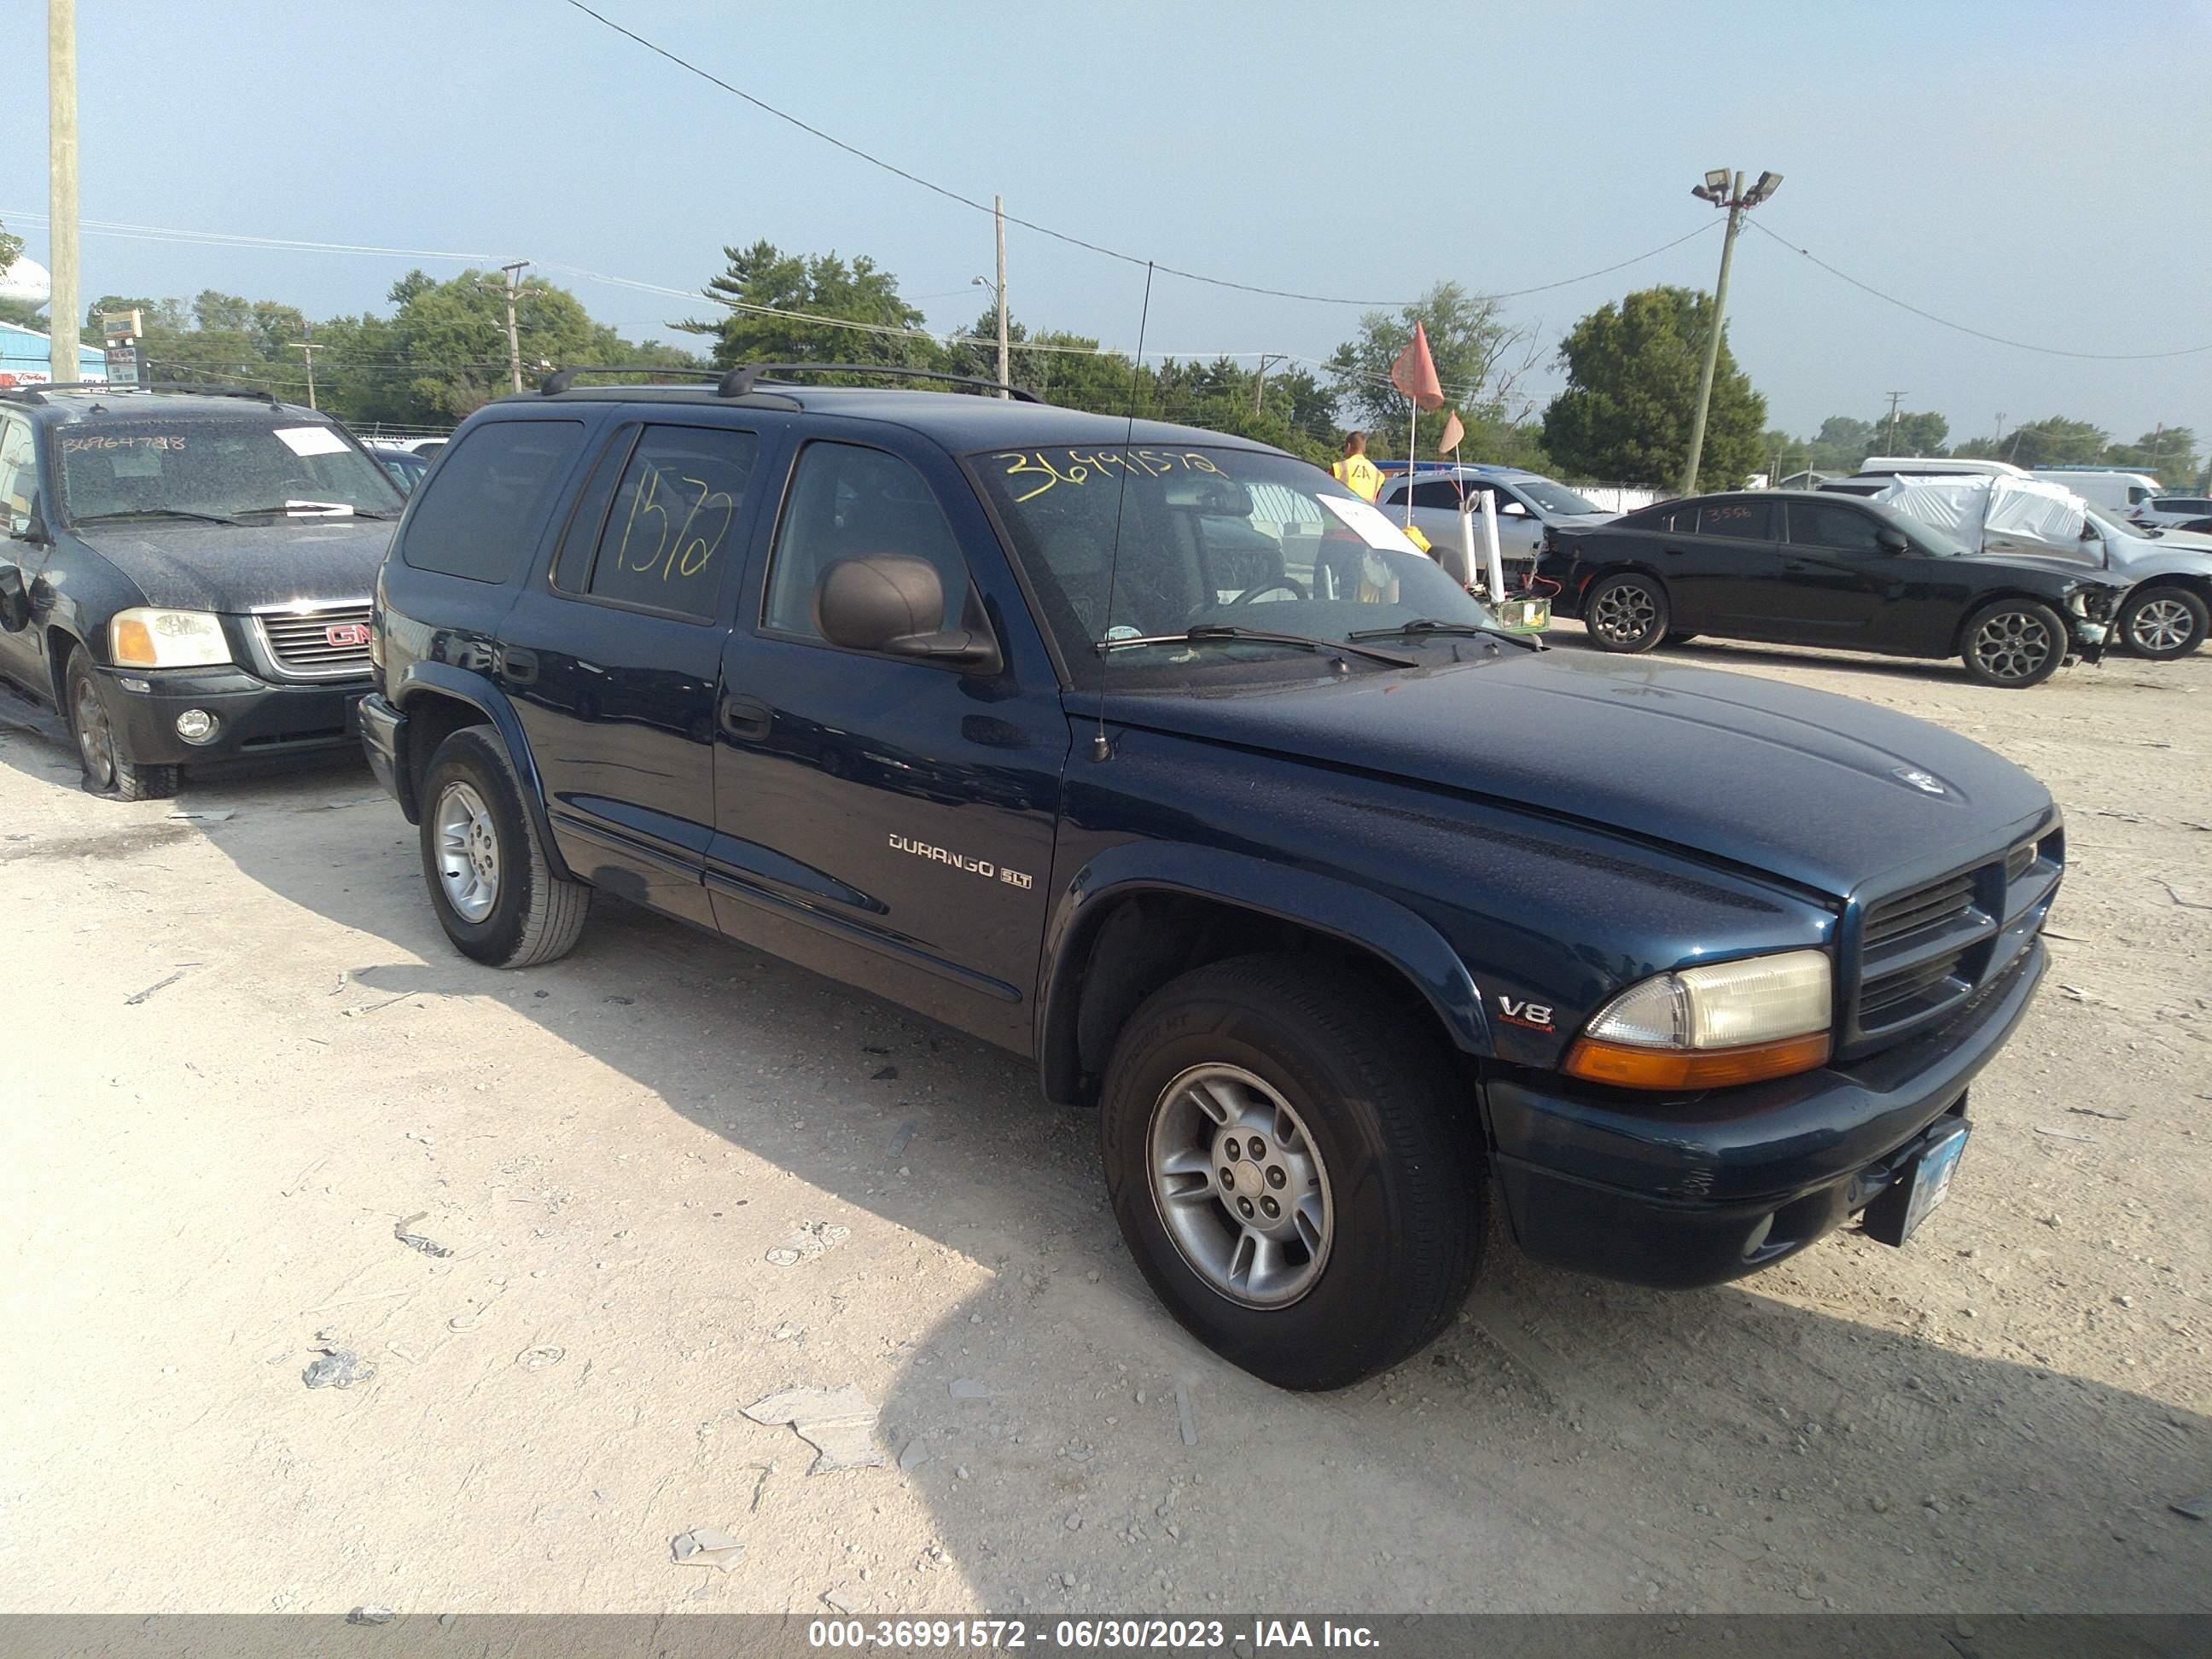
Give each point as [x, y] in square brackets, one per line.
[255, 716]
[1711, 1187]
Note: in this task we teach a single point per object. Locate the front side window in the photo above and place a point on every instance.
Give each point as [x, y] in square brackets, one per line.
[19, 471]
[1208, 538]
[850, 503]
[1737, 520]
[477, 519]
[223, 467]
[1435, 492]
[669, 532]
[1838, 529]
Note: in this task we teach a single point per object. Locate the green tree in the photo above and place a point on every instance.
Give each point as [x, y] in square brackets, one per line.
[11, 249]
[1633, 371]
[2168, 454]
[1469, 341]
[2054, 440]
[766, 281]
[1912, 435]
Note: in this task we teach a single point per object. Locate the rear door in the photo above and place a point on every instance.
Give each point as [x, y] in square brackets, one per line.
[887, 820]
[1722, 566]
[612, 653]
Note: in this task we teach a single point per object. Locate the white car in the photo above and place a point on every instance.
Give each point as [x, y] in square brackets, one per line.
[2171, 511]
[1528, 503]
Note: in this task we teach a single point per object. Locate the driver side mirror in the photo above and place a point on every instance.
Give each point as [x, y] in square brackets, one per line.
[1892, 541]
[894, 603]
[1511, 510]
[32, 530]
[2089, 532]
[14, 600]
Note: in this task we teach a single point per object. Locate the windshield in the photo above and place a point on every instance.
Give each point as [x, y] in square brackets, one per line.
[1209, 537]
[218, 468]
[1554, 497]
[2115, 531]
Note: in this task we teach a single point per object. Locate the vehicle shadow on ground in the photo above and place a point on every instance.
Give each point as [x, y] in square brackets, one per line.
[1568, 1443]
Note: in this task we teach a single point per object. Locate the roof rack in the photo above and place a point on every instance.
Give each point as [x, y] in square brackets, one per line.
[741, 382]
[36, 394]
[738, 381]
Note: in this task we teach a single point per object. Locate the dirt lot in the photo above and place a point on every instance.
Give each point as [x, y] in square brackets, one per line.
[240, 1059]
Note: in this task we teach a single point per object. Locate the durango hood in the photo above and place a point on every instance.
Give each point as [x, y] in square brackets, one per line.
[246, 567]
[1803, 784]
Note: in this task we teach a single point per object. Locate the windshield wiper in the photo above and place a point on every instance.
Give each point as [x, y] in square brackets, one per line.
[1426, 627]
[1207, 633]
[153, 513]
[316, 510]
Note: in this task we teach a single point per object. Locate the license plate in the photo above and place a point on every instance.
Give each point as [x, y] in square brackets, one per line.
[1931, 1179]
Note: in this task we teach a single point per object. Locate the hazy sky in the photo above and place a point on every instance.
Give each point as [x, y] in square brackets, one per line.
[2035, 170]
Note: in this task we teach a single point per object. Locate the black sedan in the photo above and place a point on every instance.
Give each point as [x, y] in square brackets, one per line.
[1795, 568]
[186, 575]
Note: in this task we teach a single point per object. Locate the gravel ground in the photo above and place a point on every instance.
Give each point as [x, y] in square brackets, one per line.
[646, 1187]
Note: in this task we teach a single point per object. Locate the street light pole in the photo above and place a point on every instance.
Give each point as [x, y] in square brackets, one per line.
[1716, 189]
[998, 212]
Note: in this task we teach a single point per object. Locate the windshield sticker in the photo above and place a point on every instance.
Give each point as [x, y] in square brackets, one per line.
[1368, 524]
[311, 439]
[1079, 466]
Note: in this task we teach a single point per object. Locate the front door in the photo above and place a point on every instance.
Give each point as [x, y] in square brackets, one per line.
[613, 656]
[1841, 579]
[883, 820]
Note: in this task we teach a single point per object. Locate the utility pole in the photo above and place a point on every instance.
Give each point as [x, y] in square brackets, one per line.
[1259, 385]
[63, 311]
[1893, 397]
[1998, 440]
[1006, 367]
[307, 345]
[510, 290]
[1716, 189]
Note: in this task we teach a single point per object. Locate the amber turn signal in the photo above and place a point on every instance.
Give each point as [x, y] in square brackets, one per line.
[133, 645]
[1628, 1067]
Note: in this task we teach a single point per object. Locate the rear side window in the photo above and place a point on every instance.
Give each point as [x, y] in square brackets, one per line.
[478, 518]
[1737, 520]
[669, 532]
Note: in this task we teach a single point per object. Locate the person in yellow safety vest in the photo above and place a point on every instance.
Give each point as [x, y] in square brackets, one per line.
[1355, 471]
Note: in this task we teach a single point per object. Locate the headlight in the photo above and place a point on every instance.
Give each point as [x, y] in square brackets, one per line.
[1711, 1027]
[147, 638]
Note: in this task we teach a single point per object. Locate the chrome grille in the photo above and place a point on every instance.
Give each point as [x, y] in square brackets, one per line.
[299, 643]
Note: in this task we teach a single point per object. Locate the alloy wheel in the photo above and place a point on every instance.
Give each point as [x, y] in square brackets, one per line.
[1624, 612]
[95, 738]
[2013, 645]
[2160, 625]
[1239, 1186]
[468, 852]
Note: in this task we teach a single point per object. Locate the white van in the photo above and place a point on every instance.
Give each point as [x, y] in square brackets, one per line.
[2116, 493]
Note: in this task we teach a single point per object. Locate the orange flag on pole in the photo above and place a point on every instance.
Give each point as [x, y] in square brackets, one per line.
[1414, 374]
[1452, 433]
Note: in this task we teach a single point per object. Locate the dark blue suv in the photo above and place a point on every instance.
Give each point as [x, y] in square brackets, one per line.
[1157, 757]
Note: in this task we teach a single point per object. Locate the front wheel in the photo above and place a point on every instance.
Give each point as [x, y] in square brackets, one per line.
[2014, 643]
[2163, 623]
[1627, 612]
[103, 751]
[490, 883]
[1293, 1165]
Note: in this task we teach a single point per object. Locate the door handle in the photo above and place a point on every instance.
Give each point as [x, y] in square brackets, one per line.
[747, 717]
[1674, 552]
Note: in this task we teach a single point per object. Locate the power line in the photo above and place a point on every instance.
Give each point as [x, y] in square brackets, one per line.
[1961, 328]
[980, 206]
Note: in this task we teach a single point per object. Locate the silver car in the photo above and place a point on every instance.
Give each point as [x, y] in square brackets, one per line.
[1528, 503]
[2170, 512]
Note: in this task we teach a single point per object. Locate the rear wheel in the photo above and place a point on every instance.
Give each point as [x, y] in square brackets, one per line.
[1627, 612]
[103, 751]
[490, 883]
[1287, 1155]
[2014, 643]
[2164, 623]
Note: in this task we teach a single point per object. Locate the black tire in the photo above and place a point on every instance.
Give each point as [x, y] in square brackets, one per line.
[1626, 612]
[101, 751]
[532, 916]
[2014, 643]
[1393, 1134]
[2164, 623]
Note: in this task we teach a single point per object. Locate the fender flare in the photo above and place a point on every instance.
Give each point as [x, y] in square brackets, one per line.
[487, 699]
[1376, 926]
